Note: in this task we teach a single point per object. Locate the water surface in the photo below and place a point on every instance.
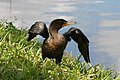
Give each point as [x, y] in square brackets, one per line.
[98, 19]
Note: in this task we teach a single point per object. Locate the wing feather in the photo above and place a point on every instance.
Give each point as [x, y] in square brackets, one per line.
[82, 41]
[38, 28]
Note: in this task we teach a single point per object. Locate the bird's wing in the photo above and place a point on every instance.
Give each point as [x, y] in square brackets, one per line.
[82, 41]
[38, 28]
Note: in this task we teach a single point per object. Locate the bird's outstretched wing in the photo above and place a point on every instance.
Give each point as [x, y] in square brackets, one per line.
[82, 41]
[38, 28]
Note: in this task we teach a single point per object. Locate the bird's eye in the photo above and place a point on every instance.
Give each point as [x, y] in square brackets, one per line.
[77, 32]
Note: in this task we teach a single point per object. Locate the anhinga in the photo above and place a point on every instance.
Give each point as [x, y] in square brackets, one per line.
[55, 43]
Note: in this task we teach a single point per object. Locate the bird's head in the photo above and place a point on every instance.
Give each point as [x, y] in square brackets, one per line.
[59, 23]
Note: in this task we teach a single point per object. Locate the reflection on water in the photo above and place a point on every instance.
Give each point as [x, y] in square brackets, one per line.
[110, 23]
[98, 19]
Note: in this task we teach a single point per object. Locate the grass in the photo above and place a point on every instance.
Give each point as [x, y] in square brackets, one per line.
[21, 60]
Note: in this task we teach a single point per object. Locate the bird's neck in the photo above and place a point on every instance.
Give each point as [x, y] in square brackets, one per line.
[53, 32]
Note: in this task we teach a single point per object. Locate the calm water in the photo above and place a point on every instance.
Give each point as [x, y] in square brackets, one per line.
[98, 19]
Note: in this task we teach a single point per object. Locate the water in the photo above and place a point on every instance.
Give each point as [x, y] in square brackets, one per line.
[98, 19]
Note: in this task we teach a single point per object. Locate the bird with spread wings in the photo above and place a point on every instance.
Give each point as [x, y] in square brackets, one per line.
[55, 43]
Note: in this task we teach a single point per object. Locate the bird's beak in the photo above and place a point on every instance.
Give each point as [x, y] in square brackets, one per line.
[68, 23]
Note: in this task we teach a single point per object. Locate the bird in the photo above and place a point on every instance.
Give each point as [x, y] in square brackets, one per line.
[55, 43]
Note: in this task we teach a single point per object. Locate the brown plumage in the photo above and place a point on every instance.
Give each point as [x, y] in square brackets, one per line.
[55, 43]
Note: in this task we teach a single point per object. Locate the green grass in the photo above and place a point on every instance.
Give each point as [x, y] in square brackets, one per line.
[21, 60]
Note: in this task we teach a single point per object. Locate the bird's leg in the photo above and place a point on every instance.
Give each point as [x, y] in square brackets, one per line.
[58, 60]
[43, 57]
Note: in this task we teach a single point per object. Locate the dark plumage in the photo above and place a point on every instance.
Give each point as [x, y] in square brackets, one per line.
[55, 43]
[39, 28]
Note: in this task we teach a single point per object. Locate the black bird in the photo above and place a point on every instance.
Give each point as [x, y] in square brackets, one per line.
[55, 43]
